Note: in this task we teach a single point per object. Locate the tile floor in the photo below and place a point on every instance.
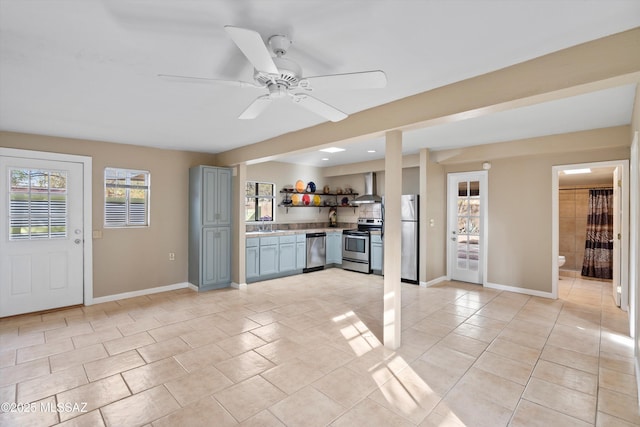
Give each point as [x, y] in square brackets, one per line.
[305, 351]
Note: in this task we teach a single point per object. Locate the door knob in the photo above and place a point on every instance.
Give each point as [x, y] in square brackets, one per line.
[77, 241]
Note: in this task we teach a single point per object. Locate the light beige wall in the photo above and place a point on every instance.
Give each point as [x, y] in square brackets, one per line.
[436, 212]
[127, 260]
[519, 209]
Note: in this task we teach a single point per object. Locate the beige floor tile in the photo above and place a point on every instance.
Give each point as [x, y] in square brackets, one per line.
[103, 368]
[292, 375]
[571, 402]
[237, 326]
[140, 325]
[262, 419]
[493, 387]
[79, 356]
[486, 322]
[529, 414]
[574, 379]
[514, 351]
[90, 419]
[48, 385]
[371, 414]
[68, 332]
[131, 342]
[7, 358]
[96, 337]
[163, 349]
[429, 327]
[464, 344]
[36, 418]
[202, 337]
[346, 386]
[170, 331]
[507, 368]
[153, 374]
[42, 326]
[240, 343]
[474, 410]
[325, 358]
[23, 372]
[205, 412]
[615, 362]
[140, 408]
[576, 339]
[243, 366]
[437, 420]
[93, 395]
[482, 334]
[619, 405]
[192, 387]
[570, 359]
[249, 397]
[281, 350]
[512, 334]
[618, 381]
[27, 354]
[307, 407]
[8, 394]
[200, 357]
[606, 420]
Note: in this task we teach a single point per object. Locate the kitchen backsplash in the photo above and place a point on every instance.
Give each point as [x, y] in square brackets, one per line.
[301, 226]
[371, 210]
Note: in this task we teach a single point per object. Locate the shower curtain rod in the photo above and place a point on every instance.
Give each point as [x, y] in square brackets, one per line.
[586, 188]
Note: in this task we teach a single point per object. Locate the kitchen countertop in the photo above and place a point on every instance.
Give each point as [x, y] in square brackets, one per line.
[292, 232]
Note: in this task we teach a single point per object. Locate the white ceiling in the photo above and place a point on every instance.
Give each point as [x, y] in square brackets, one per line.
[88, 68]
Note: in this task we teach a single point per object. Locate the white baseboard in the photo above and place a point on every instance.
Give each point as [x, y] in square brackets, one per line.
[517, 290]
[435, 281]
[142, 292]
[238, 285]
[637, 363]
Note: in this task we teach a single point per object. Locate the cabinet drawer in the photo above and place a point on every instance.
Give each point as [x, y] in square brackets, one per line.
[287, 239]
[252, 242]
[301, 238]
[265, 241]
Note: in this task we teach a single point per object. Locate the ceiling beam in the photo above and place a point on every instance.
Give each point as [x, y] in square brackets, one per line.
[595, 65]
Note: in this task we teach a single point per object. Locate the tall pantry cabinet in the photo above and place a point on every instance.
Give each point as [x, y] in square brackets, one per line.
[210, 227]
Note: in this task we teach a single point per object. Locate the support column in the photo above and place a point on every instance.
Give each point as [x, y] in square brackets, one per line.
[239, 272]
[423, 217]
[392, 239]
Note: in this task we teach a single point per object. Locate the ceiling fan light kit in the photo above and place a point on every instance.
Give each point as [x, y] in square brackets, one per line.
[283, 77]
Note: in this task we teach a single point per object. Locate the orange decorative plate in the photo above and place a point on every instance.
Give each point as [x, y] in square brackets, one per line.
[300, 186]
[295, 199]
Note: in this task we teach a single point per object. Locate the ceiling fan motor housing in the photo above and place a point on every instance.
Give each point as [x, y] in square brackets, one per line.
[278, 84]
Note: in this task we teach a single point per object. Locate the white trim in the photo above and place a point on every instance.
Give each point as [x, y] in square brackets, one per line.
[86, 162]
[518, 290]
[435, 281]
[555, 220]
[142, 292]
[241, 286]
[192, 287]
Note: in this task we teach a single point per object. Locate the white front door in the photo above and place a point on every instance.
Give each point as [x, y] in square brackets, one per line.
[41, 235]
[466, 229]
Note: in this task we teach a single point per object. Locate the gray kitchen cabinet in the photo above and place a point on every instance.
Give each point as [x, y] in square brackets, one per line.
[269, 261]
[334, 247]
[209, 227]
[376, 253]
[287, 253]
[301, 251]
[252, 258]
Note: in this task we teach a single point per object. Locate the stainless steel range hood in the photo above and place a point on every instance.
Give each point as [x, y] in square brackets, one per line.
[369, 195]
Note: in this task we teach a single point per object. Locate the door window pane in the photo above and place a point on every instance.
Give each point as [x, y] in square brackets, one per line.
[37, 204]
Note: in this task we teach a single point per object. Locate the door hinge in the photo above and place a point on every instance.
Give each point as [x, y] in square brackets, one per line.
[620, 183]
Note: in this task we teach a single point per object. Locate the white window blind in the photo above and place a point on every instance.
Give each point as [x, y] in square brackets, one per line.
[38, 204]
[126, 195]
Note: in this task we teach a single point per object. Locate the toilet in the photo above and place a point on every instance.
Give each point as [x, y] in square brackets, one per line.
[561, 260]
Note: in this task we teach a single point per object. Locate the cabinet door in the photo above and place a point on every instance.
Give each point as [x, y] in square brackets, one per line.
[224, 197]
[334, 248]
[223, 255]
[301, 255]
[287, 257]
[376, 256]
[209, 195]
[216, 260]
[253, 262]
[268, 259]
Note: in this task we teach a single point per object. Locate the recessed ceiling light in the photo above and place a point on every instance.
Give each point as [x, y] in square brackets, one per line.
[325, 158]
[577, 171]
[371, 151]
[332, 150]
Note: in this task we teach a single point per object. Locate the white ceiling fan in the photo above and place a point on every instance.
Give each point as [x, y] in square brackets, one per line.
[283, 77]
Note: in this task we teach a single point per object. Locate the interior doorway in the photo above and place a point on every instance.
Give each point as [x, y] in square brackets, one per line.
[578, 181]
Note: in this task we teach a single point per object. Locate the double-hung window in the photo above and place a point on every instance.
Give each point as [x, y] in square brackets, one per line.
[259, 201]
[126, 198]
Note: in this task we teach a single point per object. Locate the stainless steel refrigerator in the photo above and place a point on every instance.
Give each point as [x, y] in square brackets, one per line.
[410, 237]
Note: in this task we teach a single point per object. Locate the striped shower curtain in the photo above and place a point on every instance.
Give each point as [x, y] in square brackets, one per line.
[598, 252]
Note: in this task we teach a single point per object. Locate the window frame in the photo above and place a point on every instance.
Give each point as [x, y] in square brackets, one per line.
[128, 174]
[256, 197]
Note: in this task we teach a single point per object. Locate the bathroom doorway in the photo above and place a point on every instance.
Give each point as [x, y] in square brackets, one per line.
[571, 188]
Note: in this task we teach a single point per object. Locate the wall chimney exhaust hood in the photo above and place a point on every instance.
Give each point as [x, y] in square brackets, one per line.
[369, 195]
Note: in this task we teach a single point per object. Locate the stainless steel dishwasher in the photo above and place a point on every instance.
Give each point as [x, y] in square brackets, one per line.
[316, 251]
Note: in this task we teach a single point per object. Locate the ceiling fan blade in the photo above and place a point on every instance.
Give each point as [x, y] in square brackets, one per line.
[360, 80]
[205, 80]
[256, 108]
[253, 47]
[319, 107]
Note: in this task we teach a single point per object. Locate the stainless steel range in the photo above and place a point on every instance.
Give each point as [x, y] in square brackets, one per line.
[356, 246]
